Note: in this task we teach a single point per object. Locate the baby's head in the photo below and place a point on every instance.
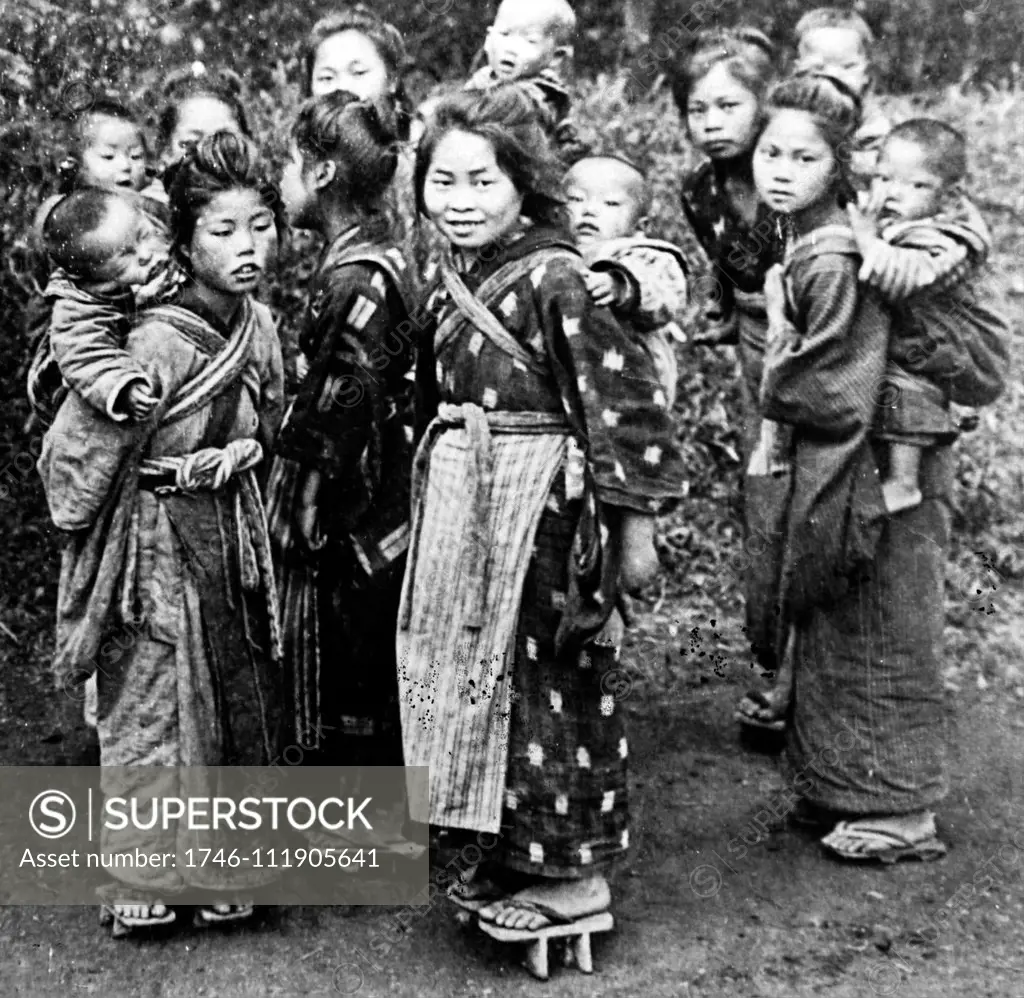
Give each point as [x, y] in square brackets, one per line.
[108, 149]
[837, 42]
[104, 238]
[608, 197]
[921, 165]
[529, 36]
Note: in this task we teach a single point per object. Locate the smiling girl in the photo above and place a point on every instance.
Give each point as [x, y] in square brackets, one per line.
[172, 548]
[545, 457]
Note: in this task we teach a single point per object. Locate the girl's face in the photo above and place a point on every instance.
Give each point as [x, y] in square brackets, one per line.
[471, 200]
[350, 61]
[113, 154]
[722, 115]
[298, 191]
[197, 118]
[233, 243]
[794, 167]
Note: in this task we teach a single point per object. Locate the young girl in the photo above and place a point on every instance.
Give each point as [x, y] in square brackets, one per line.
[196, 106]
[339, 487]
[719, 92]
[816, 311]
[356, 51]
[545, 458]
[862, 592]
[171, 551]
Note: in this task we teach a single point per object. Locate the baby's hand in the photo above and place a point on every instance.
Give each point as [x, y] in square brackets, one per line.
[139, 401]
[775, 292]
[605, 287]
[864, 223]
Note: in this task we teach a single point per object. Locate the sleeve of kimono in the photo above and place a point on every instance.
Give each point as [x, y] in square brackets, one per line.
[716, 306]
[609, 384]
[659, 281]
[825, 381]
[333, 418]
[84, 340]
[899, 271]
[270, 366]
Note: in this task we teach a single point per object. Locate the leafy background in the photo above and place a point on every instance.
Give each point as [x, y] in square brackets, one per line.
[954, 60]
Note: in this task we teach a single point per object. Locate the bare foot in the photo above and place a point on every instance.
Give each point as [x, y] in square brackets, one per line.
[570, 899]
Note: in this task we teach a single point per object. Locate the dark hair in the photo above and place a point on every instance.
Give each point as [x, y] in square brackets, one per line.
[835, 108]
[349, 132]
[747, 54]
[506, 117]
[100, 107]
[944, 147]
[184, 85]
[223, 161]
[70, 223]
[386, 39]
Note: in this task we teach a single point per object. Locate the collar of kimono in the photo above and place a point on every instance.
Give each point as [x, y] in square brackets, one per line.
[499, 254]
[337, 245]
[228, 358]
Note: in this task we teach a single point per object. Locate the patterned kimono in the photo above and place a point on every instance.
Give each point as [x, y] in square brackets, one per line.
[864, 590]
[740, 255]
[351, 424]
[545, 415]
[167, 593]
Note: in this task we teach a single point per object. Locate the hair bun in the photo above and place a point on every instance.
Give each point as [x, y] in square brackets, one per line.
[843, 88]
[230, 81]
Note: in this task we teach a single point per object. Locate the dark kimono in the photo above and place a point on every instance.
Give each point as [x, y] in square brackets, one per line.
[866, 590]
[351, 423]
[502, 659]
[740, 256]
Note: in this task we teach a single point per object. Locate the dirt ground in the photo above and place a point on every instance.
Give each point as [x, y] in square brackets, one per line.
[776, 919]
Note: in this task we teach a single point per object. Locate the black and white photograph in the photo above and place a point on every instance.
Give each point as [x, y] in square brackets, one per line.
[512, 498]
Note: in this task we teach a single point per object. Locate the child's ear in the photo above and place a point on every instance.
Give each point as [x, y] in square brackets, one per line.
[641, 224]
[324, 174]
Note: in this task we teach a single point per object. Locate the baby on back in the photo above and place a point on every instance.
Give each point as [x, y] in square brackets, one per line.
[642, 280]
[103, 246]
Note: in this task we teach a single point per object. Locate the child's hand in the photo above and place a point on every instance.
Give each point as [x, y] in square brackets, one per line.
[139, 401]
[864, 223]
[775, 293]
[301, 367]
[606, 288]
[639, 558]
[309, 513]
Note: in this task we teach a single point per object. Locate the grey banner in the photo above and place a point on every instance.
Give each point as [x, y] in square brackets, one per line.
[270, 835]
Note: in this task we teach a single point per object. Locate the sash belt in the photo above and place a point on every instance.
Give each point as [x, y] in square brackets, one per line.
[208, 469]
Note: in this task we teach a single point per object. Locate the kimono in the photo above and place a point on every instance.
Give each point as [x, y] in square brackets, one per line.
[167, 596]
[655, 272]
[862, 590]
[545, 419]
[740, 256]
[950, 331]
[351, 423]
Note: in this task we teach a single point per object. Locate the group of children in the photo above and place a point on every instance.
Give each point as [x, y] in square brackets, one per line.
[809, 168]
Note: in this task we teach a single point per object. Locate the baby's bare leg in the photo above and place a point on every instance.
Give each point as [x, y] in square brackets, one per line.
[902, 488]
